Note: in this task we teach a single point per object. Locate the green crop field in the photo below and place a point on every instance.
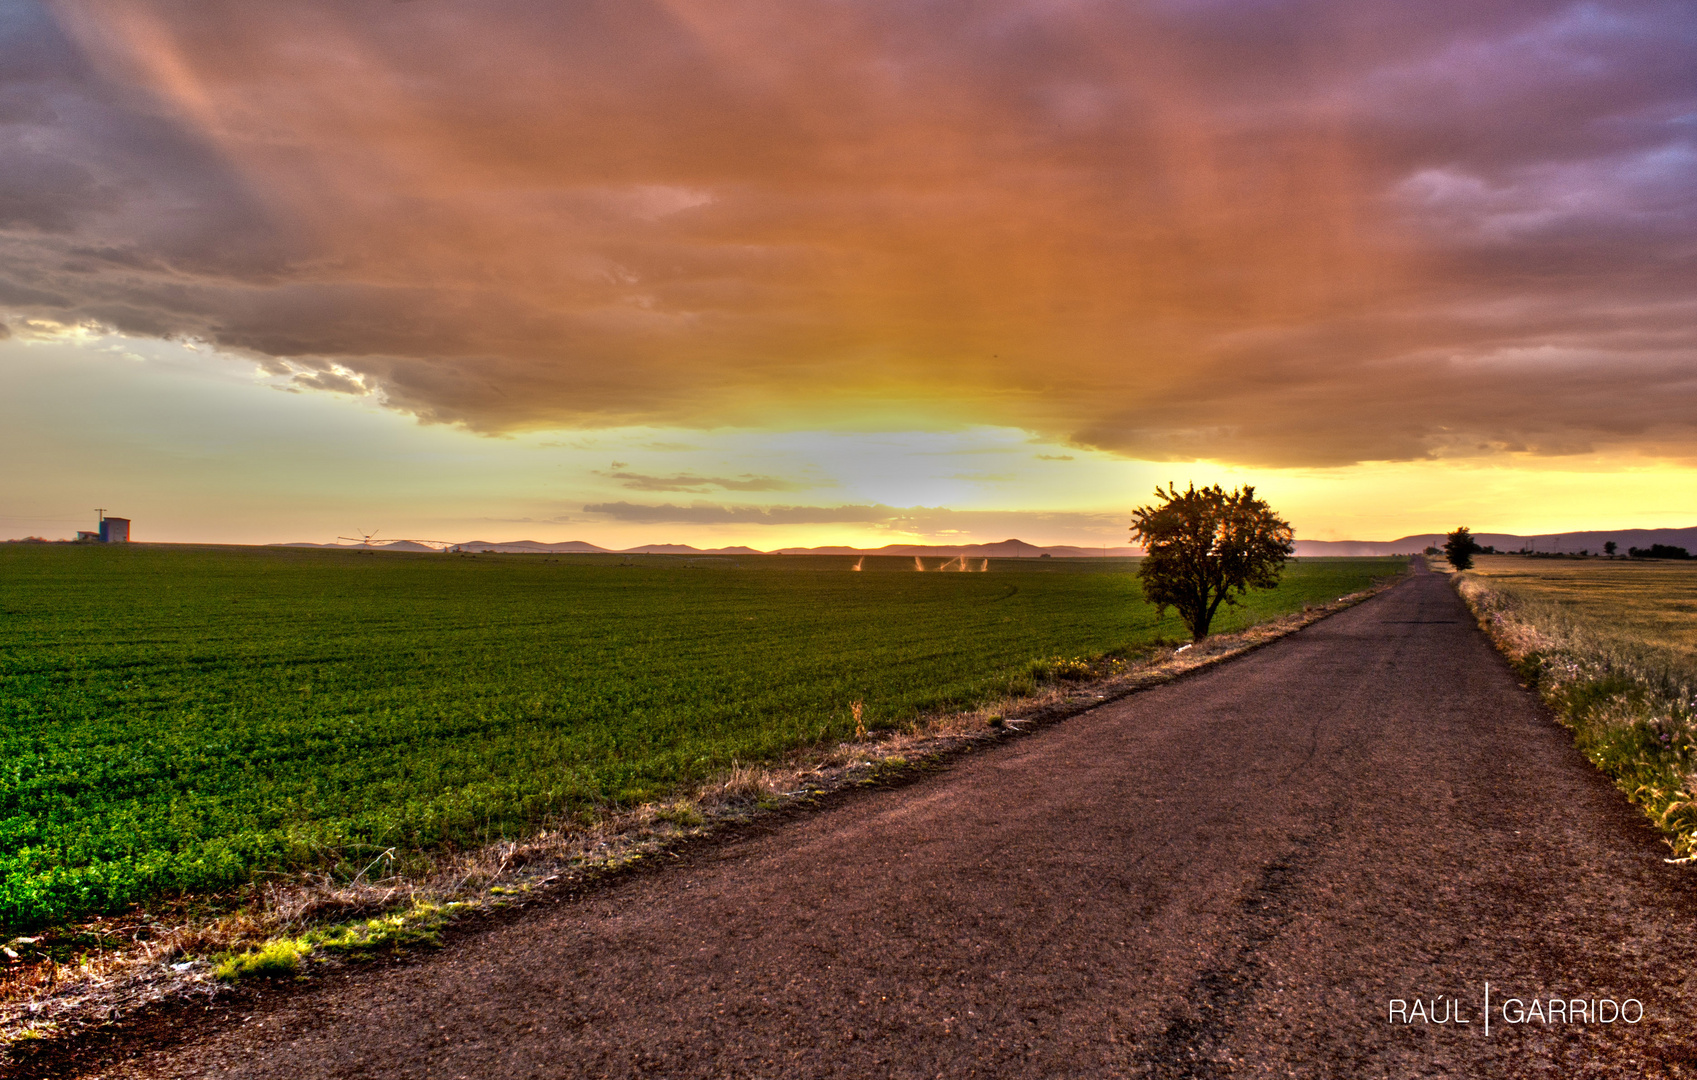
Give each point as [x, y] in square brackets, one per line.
[181, 719]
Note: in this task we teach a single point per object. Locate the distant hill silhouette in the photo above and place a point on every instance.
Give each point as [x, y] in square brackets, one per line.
[1571, 543]
[1006, 549]
[532, 547]
[685, 549]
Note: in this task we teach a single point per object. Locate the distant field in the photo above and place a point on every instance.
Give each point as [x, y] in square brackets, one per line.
[1648, 603]
[186, 718]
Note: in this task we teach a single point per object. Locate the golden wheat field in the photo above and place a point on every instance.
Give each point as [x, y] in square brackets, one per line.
[1650, 602]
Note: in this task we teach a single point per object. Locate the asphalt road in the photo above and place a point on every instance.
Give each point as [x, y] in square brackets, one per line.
[1232, 875]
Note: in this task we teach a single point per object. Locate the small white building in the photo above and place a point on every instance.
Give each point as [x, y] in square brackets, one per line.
[112, 531]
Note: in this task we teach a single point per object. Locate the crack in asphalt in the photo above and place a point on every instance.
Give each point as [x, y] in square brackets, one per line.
[1197, 1035]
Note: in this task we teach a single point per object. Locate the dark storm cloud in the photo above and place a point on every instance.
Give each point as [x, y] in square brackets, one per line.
[114, 212]
[1295, 233]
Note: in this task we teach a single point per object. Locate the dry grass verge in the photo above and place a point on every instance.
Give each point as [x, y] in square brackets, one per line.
[126, 964]
[1629, 699]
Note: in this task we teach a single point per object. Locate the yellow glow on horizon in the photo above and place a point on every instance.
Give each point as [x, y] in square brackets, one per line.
[195, 447]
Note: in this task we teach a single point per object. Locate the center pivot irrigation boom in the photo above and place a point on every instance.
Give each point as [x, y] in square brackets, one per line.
[364, 539]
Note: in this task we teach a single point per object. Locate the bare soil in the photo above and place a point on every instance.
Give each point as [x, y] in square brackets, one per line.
[1231, 875]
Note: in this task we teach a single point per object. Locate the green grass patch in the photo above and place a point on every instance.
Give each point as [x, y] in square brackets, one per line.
[178, 719]
[277, 959]
[418, 925]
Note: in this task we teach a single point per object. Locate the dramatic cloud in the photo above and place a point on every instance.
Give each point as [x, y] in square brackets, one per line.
[1297, 232]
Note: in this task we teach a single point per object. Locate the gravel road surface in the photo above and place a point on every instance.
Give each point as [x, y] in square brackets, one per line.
[1232, 875]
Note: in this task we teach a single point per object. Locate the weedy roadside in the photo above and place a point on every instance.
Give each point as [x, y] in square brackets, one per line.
[1631, 705]
[103, 970]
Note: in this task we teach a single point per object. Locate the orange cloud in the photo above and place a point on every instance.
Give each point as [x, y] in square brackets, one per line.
[1306, 233]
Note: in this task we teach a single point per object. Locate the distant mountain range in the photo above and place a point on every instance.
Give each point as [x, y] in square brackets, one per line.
[1018, 549]
[1571, 543]
[1007, 549]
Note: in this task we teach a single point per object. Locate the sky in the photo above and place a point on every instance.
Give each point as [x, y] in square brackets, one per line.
[749, 272]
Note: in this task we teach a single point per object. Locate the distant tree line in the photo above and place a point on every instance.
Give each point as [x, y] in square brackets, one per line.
[1460, 547]
[1659, 551]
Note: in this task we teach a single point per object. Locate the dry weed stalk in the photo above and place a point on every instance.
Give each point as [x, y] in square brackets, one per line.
[742, 784]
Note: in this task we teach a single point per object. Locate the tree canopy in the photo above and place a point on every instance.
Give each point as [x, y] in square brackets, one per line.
[1460, 547]
[1206, 547]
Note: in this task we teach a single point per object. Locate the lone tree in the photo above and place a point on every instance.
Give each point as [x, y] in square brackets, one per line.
[1206, 548]
[1460, 548]
[1610, 548]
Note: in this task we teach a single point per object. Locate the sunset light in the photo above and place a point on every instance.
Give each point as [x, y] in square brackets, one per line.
[994, 269]
[848, 538]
